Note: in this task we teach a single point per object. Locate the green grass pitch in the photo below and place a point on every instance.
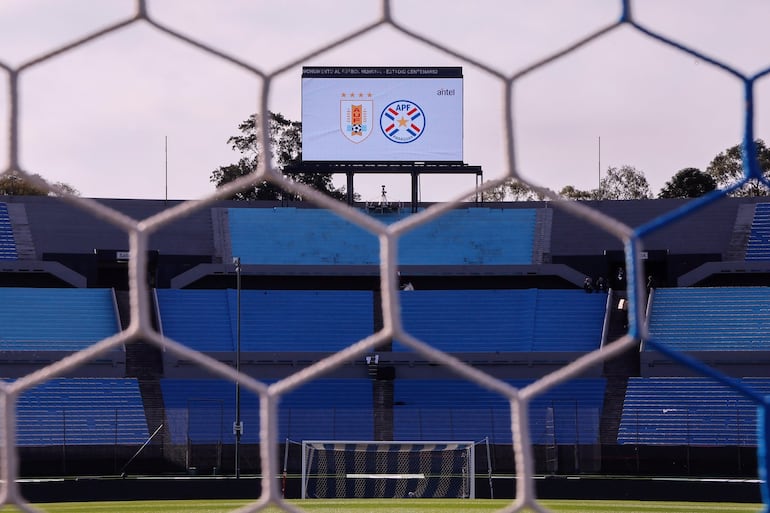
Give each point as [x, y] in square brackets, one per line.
[396, 506]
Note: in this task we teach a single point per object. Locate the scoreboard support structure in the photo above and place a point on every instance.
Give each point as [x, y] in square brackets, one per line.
[415, 169]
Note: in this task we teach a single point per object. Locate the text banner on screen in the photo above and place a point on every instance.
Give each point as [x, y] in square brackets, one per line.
[382, 114]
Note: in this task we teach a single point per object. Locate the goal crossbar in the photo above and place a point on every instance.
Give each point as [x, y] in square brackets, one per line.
[385, 476]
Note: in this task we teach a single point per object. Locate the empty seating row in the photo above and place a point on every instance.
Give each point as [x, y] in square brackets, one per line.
[271, 320]
[711, 318]
[55, 319]
[690, 319]
[461, 410]
[325, 321]
[293, 236]
[203, 411]
[504, 320]
[657, 411]
[82, 411]
[689, 411]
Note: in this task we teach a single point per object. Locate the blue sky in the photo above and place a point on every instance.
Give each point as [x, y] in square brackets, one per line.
[98, 117]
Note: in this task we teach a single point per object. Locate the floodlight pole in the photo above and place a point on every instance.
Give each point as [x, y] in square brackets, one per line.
[237, 426]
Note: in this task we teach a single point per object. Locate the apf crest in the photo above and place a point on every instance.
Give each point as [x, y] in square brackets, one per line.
[402, 121]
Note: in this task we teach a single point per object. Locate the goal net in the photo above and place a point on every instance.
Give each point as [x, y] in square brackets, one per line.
[346, 469]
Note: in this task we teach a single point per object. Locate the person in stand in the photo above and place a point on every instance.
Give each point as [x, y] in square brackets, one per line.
[601, 284]
[620, 277]
[404, 285]
[588, 284]
[650, 283]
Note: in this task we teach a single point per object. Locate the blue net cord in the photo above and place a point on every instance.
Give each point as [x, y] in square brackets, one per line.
[763, 436]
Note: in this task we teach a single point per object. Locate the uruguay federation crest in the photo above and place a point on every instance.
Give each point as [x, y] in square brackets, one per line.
[402, 121]
[355, 118]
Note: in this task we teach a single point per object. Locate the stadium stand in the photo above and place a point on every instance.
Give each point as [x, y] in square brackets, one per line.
[82, 411]
[499, 286]
[7, 241]
[473, 236]
[689, 411]
[711, 318]
[272, 320]
[197, 251]
[197, 318]
[203, 410]
[63, 319]
[723, 326]
[443, 409]
[504, 320]
[298, 236]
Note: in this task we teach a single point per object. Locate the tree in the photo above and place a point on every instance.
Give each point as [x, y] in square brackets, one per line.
[12, 184]
[727, 169]
[623, 183]
[286, 143]
[511, 190]
[689, 182]
[570, 192]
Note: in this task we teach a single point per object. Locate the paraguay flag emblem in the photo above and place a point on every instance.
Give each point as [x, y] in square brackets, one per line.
[402, 121]
[355, 118]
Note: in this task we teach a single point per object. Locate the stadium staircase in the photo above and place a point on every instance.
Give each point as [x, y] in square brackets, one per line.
[8, 249]
[758, 246]
[382, 404]
[541, 245]
[741, 234]
[22, 233]
[617, 371]
[382, 381]
[144, 362]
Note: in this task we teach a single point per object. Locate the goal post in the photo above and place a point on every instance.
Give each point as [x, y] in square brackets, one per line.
[380, 469]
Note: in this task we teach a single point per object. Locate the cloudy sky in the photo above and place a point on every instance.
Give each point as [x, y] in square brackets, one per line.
[98, 117]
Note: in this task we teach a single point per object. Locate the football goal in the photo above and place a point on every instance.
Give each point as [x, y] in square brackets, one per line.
[369, 469]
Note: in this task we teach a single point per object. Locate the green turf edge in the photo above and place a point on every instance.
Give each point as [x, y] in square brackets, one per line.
[395, 506]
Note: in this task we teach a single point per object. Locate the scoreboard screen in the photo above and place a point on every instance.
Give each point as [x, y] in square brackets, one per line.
[382, 114]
